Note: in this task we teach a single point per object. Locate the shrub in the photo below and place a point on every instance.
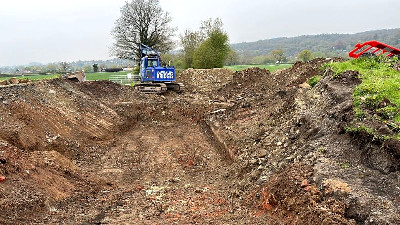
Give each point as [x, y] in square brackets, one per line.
[314, 80]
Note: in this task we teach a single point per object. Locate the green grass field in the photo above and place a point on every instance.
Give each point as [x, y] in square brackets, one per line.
[272, 67]
[379, 81]
[380, 84]
[33, 77]
[104, 75]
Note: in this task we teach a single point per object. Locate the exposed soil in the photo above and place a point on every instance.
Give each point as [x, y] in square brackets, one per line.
[249, 147]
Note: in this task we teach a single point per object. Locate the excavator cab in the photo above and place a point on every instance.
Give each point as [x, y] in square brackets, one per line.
[152, 71]
[153, 62]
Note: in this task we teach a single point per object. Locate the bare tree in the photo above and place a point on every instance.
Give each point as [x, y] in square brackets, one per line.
[142, 21]
[209, 26]
[190, 41]
[64, 66]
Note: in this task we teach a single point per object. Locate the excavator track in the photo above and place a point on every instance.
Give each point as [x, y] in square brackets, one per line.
[151, 88]
[177, 87]
[159, 88]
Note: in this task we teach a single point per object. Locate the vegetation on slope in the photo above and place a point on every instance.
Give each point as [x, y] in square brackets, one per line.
[377, 98]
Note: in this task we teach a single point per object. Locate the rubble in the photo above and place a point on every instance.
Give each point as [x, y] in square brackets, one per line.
[205, 80]
[13, 80]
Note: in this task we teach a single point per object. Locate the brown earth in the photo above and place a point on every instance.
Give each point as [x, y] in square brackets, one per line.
[249, 147]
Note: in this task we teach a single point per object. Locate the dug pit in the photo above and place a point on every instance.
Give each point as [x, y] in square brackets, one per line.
[249, 147]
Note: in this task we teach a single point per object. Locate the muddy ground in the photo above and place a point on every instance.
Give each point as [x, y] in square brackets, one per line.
[249, 147]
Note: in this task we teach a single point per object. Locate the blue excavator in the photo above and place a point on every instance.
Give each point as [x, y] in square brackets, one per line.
[155, 78]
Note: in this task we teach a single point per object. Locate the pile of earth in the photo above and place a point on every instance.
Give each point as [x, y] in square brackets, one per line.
[251, 81]
[247, 147]
[288, 123]
[99, 152]
[47, 129]
[14, 80]
[203, 80]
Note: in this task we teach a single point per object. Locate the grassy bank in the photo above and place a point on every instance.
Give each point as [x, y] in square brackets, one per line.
[33, 77]
[378, 96]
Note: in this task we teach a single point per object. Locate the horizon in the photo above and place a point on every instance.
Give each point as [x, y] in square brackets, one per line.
[301, 35]
[86, 60]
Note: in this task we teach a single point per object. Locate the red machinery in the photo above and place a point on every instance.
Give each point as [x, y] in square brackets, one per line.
[373, 48]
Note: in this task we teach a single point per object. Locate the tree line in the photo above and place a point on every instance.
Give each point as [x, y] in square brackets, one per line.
[311, 46]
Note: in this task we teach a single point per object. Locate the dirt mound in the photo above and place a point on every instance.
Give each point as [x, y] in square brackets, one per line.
[248, 81]
[286, 123]
[54, 111]
[38, 183]
[205, 80]
[302, 71]
[250, 75]
[47, 129]
[291, 196]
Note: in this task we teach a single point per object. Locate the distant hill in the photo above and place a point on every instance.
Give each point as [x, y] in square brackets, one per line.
[321, 45]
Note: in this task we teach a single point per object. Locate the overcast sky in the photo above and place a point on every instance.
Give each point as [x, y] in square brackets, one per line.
[51, 31]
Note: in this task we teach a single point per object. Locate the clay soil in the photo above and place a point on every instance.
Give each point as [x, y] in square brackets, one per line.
[249, 147]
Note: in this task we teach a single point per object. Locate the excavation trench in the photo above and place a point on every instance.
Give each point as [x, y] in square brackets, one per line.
[163, 172]
[231, 149]
[99, 157]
